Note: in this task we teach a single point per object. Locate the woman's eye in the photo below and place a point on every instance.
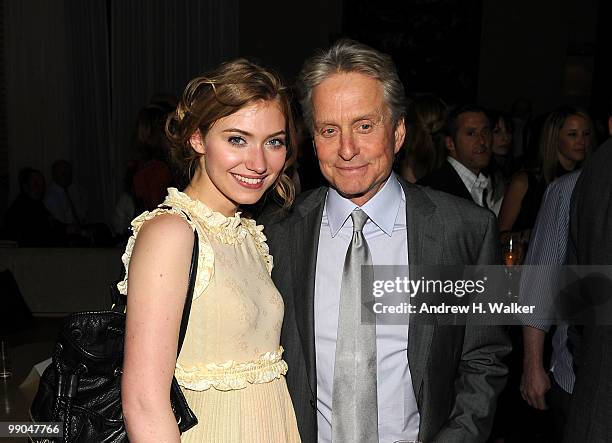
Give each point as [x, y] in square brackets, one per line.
[276, 143]
[236, 140]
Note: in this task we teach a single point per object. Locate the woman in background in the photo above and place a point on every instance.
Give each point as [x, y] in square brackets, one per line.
[424, 148]
[566, 140]
[502, 144]
[233, 136]
[499, 169]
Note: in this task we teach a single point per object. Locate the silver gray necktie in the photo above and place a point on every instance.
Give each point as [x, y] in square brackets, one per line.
[354, 403]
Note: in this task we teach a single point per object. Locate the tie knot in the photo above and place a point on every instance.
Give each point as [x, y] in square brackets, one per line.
[359, 219]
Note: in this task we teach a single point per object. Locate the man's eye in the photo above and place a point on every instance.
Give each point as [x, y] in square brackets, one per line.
[328, 132]
[364, 127]
[236, 140]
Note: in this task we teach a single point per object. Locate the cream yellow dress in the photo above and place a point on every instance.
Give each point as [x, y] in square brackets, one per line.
[230, 367]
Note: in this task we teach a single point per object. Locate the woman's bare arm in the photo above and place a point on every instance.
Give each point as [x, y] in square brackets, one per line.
[157, 286]
[511, 206]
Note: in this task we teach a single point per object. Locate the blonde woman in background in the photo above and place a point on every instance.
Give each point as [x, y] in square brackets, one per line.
[566, 140]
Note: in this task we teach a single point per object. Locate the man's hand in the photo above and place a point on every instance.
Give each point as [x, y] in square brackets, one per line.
[535, 383]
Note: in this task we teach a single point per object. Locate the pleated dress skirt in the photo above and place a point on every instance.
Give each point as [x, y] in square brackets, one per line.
[258, 413]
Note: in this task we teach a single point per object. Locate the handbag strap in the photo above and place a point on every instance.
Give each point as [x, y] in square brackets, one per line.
[193, 272]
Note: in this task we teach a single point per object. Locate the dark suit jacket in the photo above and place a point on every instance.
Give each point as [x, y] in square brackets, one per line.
[590, 416]
[456, 370]
[446, 179]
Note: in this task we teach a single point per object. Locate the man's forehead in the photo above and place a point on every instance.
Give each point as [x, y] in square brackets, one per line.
[344, 114]
[472, 119]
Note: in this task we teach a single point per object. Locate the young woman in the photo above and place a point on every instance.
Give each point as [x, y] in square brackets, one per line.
[232, 136]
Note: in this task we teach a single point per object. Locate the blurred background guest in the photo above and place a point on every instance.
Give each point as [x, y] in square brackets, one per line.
[125, 209]
[65, 199]
[153, 175]
[501, 166]
[545, 384]
[468, 142]
[305, 172]
[27, 221]
[424, 149]
[502, 149]
[588, 419]
[566, 140]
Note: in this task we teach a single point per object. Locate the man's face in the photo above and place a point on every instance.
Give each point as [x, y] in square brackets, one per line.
[354, 136]
[472, 145]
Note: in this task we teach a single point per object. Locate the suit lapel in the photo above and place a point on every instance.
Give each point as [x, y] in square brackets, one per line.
[307, 231]
[457, 186]
[424, 248]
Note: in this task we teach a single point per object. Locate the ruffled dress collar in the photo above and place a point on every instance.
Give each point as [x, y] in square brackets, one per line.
[229, 230]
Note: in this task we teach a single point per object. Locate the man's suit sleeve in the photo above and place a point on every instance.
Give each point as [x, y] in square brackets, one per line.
[481, 375]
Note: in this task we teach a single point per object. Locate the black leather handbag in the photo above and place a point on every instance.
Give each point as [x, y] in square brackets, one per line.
[82, 386]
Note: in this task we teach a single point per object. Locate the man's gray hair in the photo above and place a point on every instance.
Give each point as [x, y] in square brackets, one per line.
[348, 56]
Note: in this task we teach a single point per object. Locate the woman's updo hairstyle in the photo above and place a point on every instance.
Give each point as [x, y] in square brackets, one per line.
[219, 93]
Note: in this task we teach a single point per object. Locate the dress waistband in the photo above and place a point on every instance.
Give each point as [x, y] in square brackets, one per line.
[232, 375]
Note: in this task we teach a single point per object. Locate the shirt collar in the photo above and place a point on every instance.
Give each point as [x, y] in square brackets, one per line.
[382, 208]
[470, 179]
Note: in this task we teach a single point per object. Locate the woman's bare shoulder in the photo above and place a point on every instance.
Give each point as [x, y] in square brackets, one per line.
[166, 229]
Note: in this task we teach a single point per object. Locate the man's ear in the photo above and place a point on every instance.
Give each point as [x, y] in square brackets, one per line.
[450, 145]
[400, 135]
[610, 126]
[197, 143]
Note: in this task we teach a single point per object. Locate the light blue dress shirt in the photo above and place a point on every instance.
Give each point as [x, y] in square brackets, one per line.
[385, 232]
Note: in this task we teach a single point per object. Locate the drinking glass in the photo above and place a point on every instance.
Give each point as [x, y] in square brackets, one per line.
[512, 250]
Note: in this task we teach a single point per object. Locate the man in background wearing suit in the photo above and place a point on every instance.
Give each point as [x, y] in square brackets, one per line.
[429, 381]
[590, 412]
[468, 142]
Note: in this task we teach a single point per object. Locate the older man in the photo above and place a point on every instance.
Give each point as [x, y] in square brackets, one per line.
[354, 381]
